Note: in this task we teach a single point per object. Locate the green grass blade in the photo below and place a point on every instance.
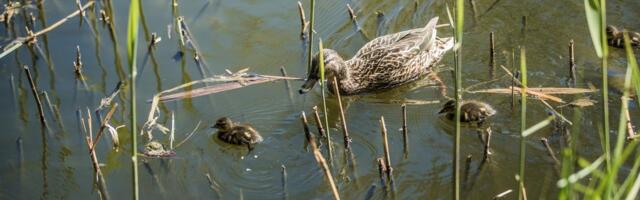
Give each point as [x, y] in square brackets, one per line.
[132, 43]
[592, 13]
[573, 178]
[538, 126]
[459, 18]
[324, 99]
[523, 118]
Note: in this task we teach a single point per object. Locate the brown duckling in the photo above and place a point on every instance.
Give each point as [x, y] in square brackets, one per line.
[615, 37]
[240, 134]
[471, 111]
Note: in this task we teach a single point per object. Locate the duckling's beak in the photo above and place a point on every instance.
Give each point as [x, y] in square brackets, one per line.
[308, 85]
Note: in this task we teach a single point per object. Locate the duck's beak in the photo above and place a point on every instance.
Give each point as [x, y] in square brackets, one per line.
[308, 85]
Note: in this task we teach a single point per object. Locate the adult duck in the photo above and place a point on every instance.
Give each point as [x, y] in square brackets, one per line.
[383, 63]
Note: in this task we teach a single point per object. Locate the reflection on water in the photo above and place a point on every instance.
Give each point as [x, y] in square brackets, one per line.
[264, 36]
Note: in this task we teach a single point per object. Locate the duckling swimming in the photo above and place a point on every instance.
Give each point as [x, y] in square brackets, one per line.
[240, 134]
[615, 37]
[471, 111]
[383, 63]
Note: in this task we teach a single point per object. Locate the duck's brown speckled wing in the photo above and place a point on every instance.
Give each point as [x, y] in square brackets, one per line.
[413, 37]
[395, 59]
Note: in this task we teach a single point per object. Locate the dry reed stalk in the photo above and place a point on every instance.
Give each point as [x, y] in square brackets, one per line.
[345, 131]
[31, 37]
[323, 165]
[304, 24]
[385, 145]
[34, 90]
[316, 117]
[502, 194]
[103, 125]
[550, 151]
[351, 13]
[405, 137]
[487, 143]
[572, 63]
[492, 53]
[630, 133]
[305, 125]
[381, 171]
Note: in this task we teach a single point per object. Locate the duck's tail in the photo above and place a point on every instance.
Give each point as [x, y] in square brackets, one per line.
[429, 40]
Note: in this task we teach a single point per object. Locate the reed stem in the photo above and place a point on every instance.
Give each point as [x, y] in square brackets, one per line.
[523, 120]
[345, 131]
[405, 137]
[316, 117]
[323, 165]
[34, 90]
[545, 142]
[572, 64]
[385, 145]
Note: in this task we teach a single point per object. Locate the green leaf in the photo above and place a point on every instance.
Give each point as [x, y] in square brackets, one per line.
[321, 62]
[592, 12]
[132, 30]
[538, 126]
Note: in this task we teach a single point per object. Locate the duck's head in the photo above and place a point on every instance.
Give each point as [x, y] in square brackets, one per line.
[223, 123]
[612, 30]
[332, 63]
[448, 107]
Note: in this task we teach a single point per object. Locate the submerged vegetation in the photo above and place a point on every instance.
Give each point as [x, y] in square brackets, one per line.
[553, 139]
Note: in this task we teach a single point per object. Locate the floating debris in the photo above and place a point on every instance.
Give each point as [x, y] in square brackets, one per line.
[156, 149]
[581, 102]
[224, 82]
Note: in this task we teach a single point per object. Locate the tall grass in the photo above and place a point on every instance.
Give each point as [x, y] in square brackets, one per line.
[132, 44]
[459, 18]
[523, 121]
[605, 180]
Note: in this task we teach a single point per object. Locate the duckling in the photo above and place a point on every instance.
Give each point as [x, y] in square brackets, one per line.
[615, 38]
[240, 134]
[471, 111]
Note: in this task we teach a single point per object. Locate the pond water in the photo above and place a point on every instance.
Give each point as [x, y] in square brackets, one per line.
[263, 36]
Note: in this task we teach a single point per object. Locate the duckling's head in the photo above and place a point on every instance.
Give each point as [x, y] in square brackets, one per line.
[448, 107]
[612, 30]
[333, 64]
[223, 123]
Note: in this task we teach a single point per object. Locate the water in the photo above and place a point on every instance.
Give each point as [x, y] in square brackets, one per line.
[264, 35]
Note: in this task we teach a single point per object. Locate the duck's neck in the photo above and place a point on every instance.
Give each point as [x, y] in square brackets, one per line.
[339, 69]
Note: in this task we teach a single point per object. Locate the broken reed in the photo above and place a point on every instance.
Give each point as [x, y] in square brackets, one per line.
[304, 24]
[319, 158]
[405, 137]
[31, 37]
[316, 117]
[34, 90]
[572, 64]
[345, 131]
[492, 54]
[550, 151]
[387, 156]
